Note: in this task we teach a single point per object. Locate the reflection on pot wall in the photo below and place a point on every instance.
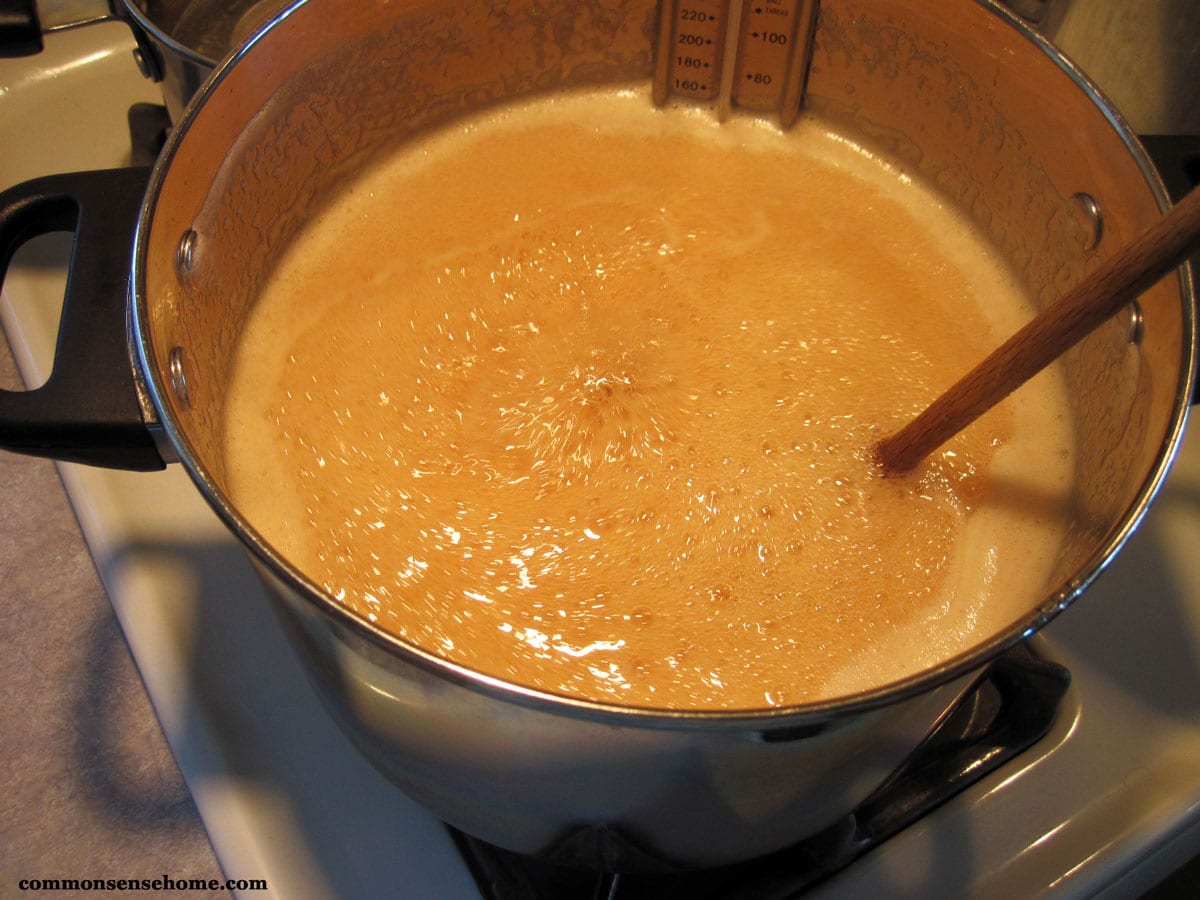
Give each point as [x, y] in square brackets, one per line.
[1144, 54]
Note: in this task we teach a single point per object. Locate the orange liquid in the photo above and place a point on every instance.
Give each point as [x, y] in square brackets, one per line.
[584, 395]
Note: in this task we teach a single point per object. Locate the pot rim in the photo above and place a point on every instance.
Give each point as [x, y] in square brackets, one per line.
[804, 714]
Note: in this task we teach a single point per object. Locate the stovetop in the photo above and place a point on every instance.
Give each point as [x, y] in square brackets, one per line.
[1106, 802]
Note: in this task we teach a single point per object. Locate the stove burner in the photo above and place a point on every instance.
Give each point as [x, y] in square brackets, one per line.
[148, 127]
[1010, 708]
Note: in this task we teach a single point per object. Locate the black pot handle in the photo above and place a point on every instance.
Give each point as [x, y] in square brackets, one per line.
[89, 410]
[22, 24]
[20, 29]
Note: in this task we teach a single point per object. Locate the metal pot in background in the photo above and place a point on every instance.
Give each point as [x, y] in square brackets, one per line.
[180, 42]
[957, 91]
[1143, 54]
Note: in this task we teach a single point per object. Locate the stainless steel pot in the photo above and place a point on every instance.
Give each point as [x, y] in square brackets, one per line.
[959, 91]
[180, 42]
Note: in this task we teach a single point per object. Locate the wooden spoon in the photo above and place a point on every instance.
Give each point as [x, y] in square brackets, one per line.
[1127, 274]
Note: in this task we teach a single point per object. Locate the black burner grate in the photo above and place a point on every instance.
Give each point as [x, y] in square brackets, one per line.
[1010, 708]
[148, 129]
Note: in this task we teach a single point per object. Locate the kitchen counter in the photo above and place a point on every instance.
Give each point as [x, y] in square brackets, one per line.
[88, 786]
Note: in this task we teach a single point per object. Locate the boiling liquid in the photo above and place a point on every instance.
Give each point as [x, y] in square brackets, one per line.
[584, 394]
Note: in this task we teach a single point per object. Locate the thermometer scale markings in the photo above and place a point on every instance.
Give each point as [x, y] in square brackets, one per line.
[690, 50]
[751, 54]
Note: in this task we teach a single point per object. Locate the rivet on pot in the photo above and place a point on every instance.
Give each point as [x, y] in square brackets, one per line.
[146, 65]
[185, 255]
[1087, 213]
[1136, 324]
[179, 385]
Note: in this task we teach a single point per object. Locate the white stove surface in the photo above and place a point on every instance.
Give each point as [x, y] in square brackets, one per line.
[1105, 805]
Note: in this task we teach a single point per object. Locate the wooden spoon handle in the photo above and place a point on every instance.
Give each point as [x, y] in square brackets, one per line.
[1127, 274]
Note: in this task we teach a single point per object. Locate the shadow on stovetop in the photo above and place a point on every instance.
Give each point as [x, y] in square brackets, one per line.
[1137, 624]
[347, 828]
[319, 814]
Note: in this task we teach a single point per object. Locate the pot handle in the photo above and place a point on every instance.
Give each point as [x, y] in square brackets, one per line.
[22, 24]
[90, 408]
[20, 29]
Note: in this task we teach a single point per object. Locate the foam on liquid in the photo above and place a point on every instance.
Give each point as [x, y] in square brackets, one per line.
[583, 395]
